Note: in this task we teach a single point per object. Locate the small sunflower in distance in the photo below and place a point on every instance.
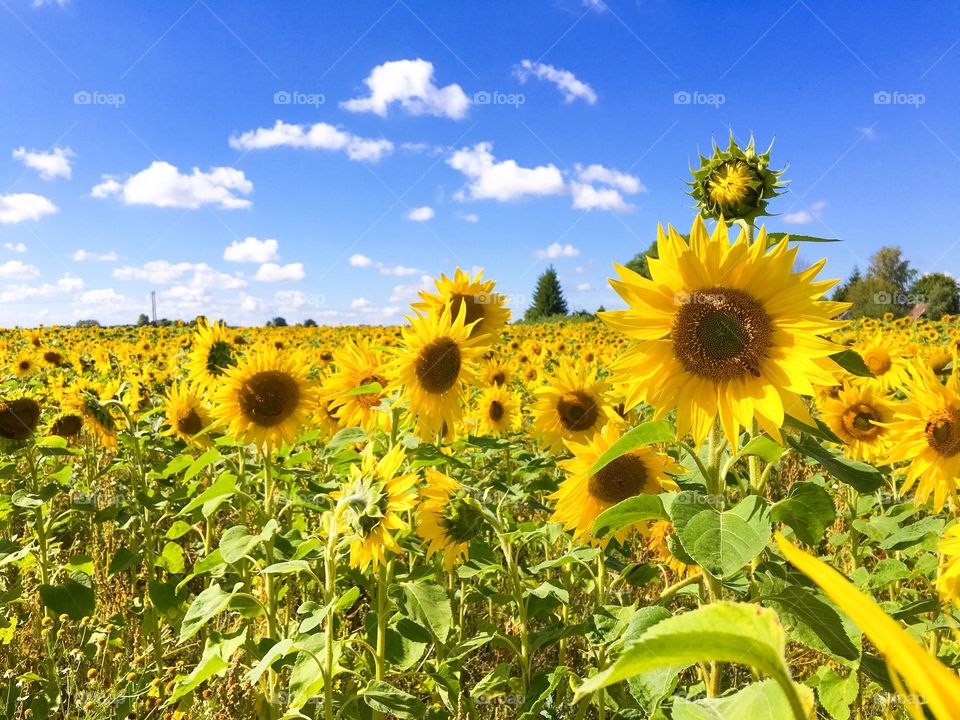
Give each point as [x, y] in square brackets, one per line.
[25, 364]
[375, 498]
[359, 365]
[724, 330]
[735, 184]
[572, 406]
[498, 412]
[859, 415]
[433, 366]
[185, 414]
[581, 497]
[211, 354]
[481, 304]
[927, 432]
[949, 581]
[265, 399]
[885, 357]
[445, 520]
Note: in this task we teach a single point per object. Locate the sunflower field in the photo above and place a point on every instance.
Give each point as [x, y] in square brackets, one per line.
[722, 501]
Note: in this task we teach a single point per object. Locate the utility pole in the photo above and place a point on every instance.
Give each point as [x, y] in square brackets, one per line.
[153, 303]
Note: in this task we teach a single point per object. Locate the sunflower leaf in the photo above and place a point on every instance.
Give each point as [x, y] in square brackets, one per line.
[627, 512]
[860, 476]
[645, 434]
[852, 362]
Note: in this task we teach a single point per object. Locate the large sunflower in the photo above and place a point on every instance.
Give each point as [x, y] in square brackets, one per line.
[432, 368]
[573, 406]
[857, 415]
[581, 497]
[724, 329]
[376, 498]
[359, 365]
[927, 432]
[186, 415]
[476, 296]
[445, 520]
[266, 398]
[498, 412]
[212, 353]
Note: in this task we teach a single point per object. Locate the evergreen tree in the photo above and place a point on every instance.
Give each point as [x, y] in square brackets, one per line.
[842, 292]
[547, 298]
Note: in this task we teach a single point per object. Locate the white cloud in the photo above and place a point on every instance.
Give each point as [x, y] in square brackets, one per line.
[15, 247]
[583, 287]
[566, 82]
[556, 250]
[630, 184]
[17, 207]
[320, 136]
[50, 165]
[803, 217]
[588, 197]
[358, 260]
[360, 303]
[272, 272]
[406, 293]
[289, 299]
[19, 293]
[194, 275]
[421, 214]
[410, 83]
[469, 217]
[250, 304]
[83, 255]
[43, 3]
[104, 296]
[397, 270]
[17, 270]
[163, 185]
[505, 180]
[251, 250]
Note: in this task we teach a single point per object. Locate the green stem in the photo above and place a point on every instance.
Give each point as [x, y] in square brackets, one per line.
[329, 593]
[269, 582]
[384, 578]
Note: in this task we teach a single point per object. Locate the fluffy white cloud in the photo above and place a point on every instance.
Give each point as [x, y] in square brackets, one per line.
[83, 255]
[803, 217]
[588, 197]
[566, 82]
[556, 250]
[195, 275]
[103, 296]
[50, 165]
[583, 287]
[469, 217]
[17, 270]
[406, 293]
[163, 185]
[421, 214]
[272, 272]
[17, 207]
[397, 270]
[358, 260]
[289, 299]
[251, 250]
[630, 184]
[320, 136]
[20, 293]
[360, 303]
[504, 180]
[410, 83]
[15, 247]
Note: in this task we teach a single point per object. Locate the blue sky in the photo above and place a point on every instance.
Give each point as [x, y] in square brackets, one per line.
[324, 160]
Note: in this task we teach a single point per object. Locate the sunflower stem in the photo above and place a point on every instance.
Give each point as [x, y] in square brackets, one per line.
[384, 578]
[601, 650]
[269, 587]
[329, 593]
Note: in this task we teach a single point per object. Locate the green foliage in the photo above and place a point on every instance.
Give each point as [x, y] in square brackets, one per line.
[639, 262]
[939, 292]
[548, 297]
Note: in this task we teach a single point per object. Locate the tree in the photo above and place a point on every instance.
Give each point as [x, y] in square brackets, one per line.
[547, 298]
[639, 263]
[143, 320]
[885, 286]
[841, 293]
[277, 322]
[309, 322]
[939, 292]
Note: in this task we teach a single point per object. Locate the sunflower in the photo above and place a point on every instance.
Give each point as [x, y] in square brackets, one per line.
[927, 429]
[496, 372]
[211, 355]
[476, 296]
[498, 412]
[445, 520]
[581, 497]
[25, 364]
[88, 399]
[726, 330]
[432, 368]
[186, 414]
[858, 416]
[374, 500]
[18, 418]
[360, 365]
[884, 356]
[265, 399]
[66, 424]
[658, 544]
[573, 406]
[949, 581]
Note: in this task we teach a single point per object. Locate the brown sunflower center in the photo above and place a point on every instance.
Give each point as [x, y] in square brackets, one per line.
[578, 410]
[189, 423]
[619, 479]
[66, 425]
[858, 420]
[438, 365]
[371, 399]
[24, 365]
[498, 378]
[943, 431]
[878, 361]
[496, 411]
[53, 357]
[473, 312]
[722, 333]
[268, 398]
[19, 418]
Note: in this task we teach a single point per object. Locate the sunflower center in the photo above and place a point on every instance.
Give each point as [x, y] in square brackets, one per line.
[268, 398]
[496, 410]
[498, 378]
[731, 183]
[220, 357]
[67, 425]
[371, 399]
[438, 365]
[878, 361]
[619, 479]
[19, 418]
[578, 410]
[189, 423]
[53, 357]
[722, 333]
[858, 420]
[473, 312]
[943, 431]
[24, 365]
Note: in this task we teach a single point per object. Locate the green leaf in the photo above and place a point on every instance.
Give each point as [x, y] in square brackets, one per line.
[860, 476]
[287, 568]
[814, 622]
[208, 603]
[236, 542]
[836, 694]
[279, 650]
[645, 434]
[373, 387]
[427, 603]
[852, 362]
[723, 543]
[347, 436]
[764, 448]
[123, 559]
[172, 559]
[75, 597]
[80, 563]
[224, 488]
[217, 653]
[759, 700]
[778, 236]
[627, 512]
[808, 510]
[384, 697]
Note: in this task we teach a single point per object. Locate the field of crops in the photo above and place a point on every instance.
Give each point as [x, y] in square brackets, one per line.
[723, 501]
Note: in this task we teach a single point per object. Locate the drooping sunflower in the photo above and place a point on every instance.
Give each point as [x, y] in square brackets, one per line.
[581, 497]
[266, 398]
[18, 418]
[360, 365]
[445, 520]
[927, 432]
[498, 412]
[572, 406]
[476, 296]
[432, 369]
[949, 581]
[212, 353]
[186, 414]
[88, 399]
[724, 330]
[67, 424]
[858, 415]
[375, 498]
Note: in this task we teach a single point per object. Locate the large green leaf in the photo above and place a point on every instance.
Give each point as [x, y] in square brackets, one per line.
[216, 657]
[427, 603]
[808, 510]
[860, 476]
[74, 597]
[759, 700]
[629, 511]
[852, 362]
[645, 434]
[723, 543]
[814, 622]
[384, 697]
[210, 602]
